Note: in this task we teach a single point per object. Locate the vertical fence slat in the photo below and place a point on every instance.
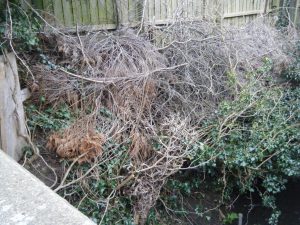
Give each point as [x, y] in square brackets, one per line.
[68, 13]
[102, 11]
[85, 12]
[131, 11]
[94, 12]
[225, 7]
[260, 5]
[165, 10]
[170, 9]
[58, 11]
[111, 12]
[174, 9]
[208, 8]
[197, 8]
[185, 9]
[77, 12]
[151, 10]
[245, 10]
[123, 9]
[157, 10]
[191, 9]
[243, 5]
[297, 18]
[146, 10]
[134, 11]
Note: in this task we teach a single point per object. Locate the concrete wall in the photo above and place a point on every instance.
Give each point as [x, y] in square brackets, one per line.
[25, 200]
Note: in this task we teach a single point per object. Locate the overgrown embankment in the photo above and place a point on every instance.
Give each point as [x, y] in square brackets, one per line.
[128, 111]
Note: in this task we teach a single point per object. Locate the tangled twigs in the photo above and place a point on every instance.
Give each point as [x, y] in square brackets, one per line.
[149, 100]
[153, 172]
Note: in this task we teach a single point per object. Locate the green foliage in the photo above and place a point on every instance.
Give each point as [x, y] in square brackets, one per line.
[256, 139]
[102, 187]
[25, 28]
[48, 119]
[230, 218]
[293, 72]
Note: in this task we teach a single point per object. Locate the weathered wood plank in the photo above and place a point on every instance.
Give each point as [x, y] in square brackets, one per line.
[151, 11]
[131, 11]
[123, 11]
[94, 12]
[102, 11]
[163, 9]
[225, 7]
[190, 9]
[77, 14]
[58, 12]
[111, 12]
[174, 8]
[242, 5]
[68, 13]
[169, 9]
[297, 14]
[197, 8]
[186, 9]
[157, 13]
[85, 12]
[146, 10]
[246, 13]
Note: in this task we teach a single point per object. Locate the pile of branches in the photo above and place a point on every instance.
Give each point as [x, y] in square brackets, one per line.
[153, 94]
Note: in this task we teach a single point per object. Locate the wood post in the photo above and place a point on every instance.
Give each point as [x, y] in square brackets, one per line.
[13, 132]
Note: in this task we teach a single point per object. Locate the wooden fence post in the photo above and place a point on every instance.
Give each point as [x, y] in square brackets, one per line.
[13, 132]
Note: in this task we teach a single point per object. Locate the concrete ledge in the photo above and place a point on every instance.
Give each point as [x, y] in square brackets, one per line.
[25, 200]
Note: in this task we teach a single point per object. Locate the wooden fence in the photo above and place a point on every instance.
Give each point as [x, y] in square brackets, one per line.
[294, 11]
[109, 13]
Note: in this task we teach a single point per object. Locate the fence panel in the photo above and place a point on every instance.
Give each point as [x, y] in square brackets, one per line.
[242, 11]
[294, 12]
[69, 13]
[107, 13]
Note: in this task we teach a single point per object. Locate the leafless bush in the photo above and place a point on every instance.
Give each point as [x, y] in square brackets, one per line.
[219, 58]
